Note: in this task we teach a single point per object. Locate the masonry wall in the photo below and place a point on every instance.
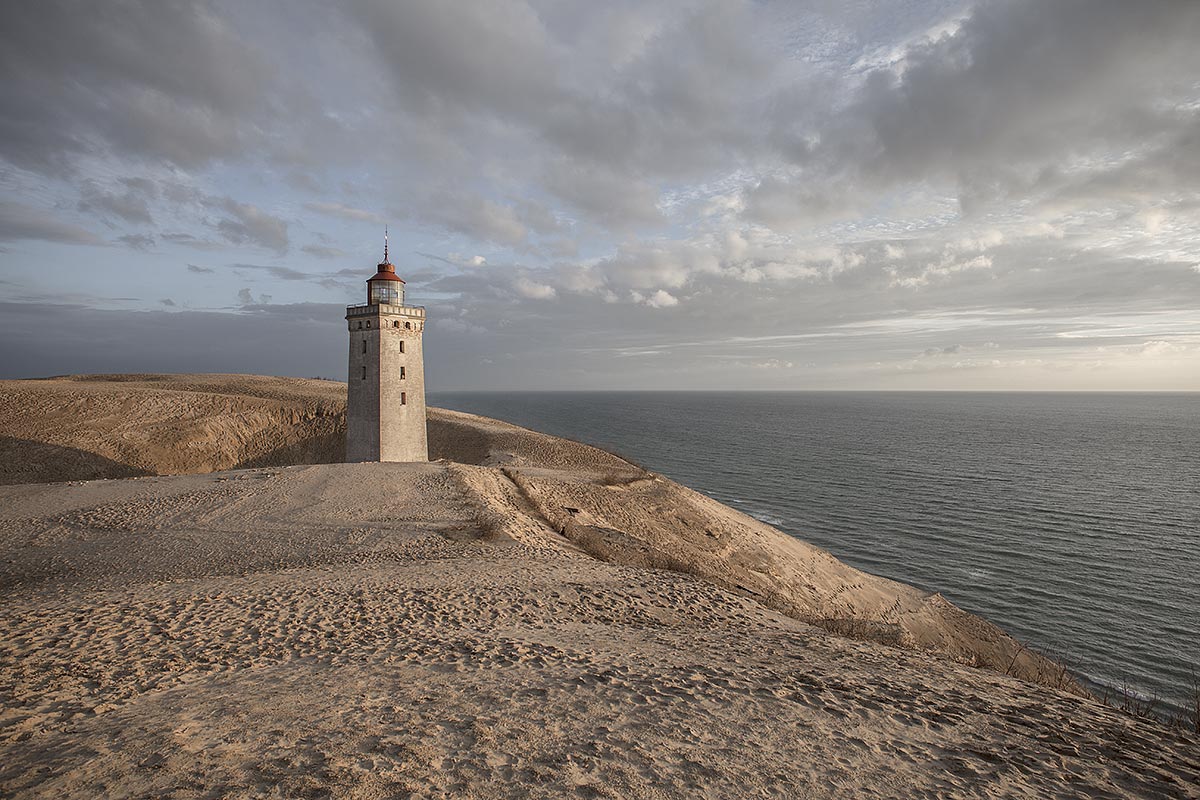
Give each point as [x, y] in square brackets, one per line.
[402, 431]
[362, 395]
[385, 413]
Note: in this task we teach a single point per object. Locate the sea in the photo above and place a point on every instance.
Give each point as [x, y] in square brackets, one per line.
[1070, 520]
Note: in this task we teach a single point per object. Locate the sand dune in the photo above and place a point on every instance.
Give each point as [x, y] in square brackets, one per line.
[601, 504]
[527, 617]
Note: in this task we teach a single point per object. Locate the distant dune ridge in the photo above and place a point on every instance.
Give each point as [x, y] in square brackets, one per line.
[524, 616]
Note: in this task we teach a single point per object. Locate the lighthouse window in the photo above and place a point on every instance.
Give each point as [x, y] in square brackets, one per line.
[402, 373]
[396, 324]
[382, 294]
[401, 345]
[368, 323]
[408, 325]
[404, 398]
[360, 324]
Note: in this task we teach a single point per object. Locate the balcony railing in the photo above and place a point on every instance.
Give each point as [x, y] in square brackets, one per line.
[385, 308]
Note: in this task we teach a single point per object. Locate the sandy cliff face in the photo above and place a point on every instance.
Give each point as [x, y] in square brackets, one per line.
[521, 483]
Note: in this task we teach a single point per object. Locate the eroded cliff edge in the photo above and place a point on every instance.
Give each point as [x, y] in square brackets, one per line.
[523, 485]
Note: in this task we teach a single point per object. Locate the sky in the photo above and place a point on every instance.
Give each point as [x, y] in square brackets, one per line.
[833, 194]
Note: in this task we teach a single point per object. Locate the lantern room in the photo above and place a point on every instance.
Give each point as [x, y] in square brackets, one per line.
[385, 287]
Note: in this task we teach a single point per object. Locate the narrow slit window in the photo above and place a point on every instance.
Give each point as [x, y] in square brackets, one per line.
[360, 324]
[401, 345]
[408, 325]
[368, 323]
[402, 373]
[404, 398]
[364, 373]
[396, 324]
[364, 345]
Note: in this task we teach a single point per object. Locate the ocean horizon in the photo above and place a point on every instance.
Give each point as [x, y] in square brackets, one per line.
[1070, 519]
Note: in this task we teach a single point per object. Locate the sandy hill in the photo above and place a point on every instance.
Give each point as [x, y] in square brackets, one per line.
[527, 616]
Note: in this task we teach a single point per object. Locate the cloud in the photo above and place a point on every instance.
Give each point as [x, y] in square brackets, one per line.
[191, 240]
[500, 58]
[280, 273]
[129, 205]
[467, 212]
[1161, 347]
[20, 222]
[346, 212]
[171, 81]
[860, 184]
[248, 224]
[1015, 92]
[323, 251]
[457, 259]
[301, 339]
[534, 290]
[137, 241]
[659, 299]
[612, 199]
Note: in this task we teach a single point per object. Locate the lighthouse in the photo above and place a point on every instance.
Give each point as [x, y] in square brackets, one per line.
[385, 398]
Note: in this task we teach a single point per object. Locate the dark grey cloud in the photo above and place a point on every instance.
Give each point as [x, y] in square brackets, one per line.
[137, 241]
[161, 80]
[200, 270]
[265, 340]
[1021, 93]
[247, 224]
[191, 240]
[129, 205]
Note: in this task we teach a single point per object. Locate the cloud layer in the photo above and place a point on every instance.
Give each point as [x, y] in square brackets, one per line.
[939, 194]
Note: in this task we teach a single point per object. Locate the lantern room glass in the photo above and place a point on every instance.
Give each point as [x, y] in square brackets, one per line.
[389, 293]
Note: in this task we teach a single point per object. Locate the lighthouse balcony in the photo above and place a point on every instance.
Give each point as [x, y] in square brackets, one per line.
[385, 308]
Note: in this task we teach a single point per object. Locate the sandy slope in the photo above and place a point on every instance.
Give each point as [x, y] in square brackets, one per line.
[171, 424]
[528, 616]
[116, 426]
[364, 631]
[85, 427]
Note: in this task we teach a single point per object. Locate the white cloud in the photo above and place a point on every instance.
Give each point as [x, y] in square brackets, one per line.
[661, 299]
[534, 290]
[1161, 347]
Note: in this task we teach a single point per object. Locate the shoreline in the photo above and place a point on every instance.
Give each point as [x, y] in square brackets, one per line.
[1006, 547]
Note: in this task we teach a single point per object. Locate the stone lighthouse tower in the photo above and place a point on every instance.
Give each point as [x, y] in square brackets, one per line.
[385, 401]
